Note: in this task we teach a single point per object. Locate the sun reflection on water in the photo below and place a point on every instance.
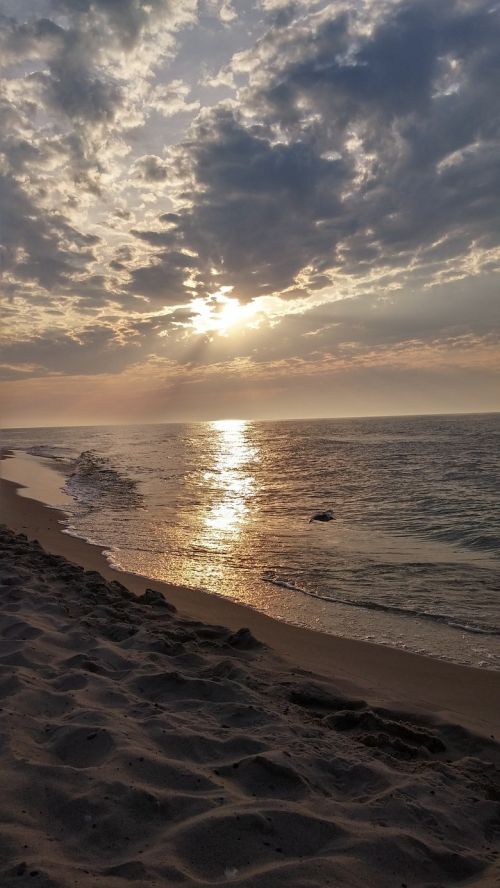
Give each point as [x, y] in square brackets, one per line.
[231, 481]
[211, 530]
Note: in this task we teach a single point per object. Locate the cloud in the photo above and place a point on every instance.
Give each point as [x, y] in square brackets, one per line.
[162, 280]
[341, 130]
[35, 246]
[76, 79]
[349, 186]
[170, 98]
[150, 168]
[94, 350]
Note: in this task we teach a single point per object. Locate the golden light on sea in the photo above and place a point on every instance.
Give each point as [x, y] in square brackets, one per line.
[220, 517]
[231, 481]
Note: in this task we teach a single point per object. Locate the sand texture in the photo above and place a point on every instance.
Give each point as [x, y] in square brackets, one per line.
[138, 748]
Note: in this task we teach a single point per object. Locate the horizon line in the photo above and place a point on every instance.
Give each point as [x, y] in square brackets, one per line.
[243, 419]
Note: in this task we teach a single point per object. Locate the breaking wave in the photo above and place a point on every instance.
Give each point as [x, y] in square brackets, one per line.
[94, 483]
[47, 451]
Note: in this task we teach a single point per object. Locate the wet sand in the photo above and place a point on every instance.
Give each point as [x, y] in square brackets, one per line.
[468, 696]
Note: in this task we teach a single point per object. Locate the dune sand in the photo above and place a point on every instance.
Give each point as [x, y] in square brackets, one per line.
[139, 747]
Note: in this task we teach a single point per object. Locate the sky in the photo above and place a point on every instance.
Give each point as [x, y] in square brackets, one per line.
[248, 208]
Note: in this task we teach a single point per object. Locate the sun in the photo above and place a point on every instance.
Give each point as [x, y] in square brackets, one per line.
[222, 314]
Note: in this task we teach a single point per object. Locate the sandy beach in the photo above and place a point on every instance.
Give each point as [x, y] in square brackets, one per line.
[249, 444]
[145, 745]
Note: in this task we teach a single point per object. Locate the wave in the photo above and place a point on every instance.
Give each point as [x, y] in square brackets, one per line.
[269, 576]
[95, 483]
[48, 451]
[466, 538]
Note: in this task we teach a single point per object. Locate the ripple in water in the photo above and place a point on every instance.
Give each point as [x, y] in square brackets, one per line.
[95, 484]
[410, 559]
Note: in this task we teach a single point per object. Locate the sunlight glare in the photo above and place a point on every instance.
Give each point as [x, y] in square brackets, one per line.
[232, 480]
[221, 314]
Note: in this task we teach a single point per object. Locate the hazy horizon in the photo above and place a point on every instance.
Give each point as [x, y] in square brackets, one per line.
[237, 419]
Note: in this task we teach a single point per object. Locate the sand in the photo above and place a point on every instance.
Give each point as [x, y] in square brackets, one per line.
[144, 747]
[467, 696]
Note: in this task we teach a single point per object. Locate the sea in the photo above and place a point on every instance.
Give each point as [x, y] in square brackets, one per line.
[410, 558]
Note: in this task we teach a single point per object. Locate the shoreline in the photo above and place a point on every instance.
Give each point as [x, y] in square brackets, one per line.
[140, 747]
[385, 676]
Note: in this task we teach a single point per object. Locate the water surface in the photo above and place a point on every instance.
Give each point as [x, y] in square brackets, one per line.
[411, 559]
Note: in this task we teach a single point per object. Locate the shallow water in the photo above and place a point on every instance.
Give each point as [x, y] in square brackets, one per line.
[411, 558]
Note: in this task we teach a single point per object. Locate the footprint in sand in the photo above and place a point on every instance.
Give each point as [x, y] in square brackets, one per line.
[83, 747]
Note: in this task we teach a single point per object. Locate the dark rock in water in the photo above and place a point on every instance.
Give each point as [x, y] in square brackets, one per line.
[322, 516]
[156, 599]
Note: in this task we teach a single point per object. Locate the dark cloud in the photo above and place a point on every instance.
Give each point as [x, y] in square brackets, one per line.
[162, 280]
[122, 20]
[21, 40]
[371, 146]
[95, 350]
[38, 246]
[73, 81]
[72, 90]
[257, 204]
[169, 238]
[150, 168]
[416, 91]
